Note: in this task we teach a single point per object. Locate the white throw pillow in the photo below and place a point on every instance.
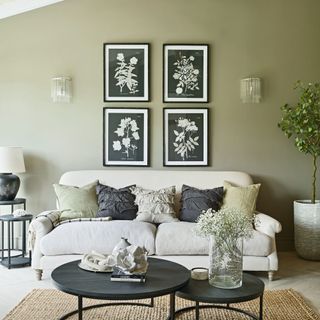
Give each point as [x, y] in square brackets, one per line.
[155, 206]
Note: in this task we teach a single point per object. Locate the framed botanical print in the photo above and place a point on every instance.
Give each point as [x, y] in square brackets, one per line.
[126, 72]
[185, 73]
[126, 137]
[185, 137]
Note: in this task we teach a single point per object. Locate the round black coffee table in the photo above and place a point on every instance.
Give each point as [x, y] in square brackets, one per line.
[202, 291]
[163, 277]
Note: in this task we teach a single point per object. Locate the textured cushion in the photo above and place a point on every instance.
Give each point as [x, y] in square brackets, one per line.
[155, 206]
[116, 203]
[194, 201]
[77, 202]
[179, 238]
[102, 236]
[243, 198]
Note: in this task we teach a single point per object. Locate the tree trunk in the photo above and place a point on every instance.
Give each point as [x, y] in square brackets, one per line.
[314, 178]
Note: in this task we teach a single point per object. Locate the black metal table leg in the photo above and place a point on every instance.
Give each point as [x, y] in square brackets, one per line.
[2, 240]
[23, 238]
[152, 302]
[80, 307]
[172, 306]
[197, 311]
[261, 308]
[9, 246]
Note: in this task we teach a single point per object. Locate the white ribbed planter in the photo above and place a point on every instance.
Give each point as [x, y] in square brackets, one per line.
[307, 229]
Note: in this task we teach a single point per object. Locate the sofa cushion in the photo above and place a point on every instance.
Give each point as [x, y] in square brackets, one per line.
[102, 236]
[243, 198]
[179, 238]
[116, 203]
[75, 202]
[194, 201]
[155, 206]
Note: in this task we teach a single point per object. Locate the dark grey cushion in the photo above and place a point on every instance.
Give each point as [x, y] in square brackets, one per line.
[116, 203]
[194, 201]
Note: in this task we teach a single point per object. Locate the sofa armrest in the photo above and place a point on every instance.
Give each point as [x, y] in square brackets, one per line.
[267, 224]
[39, 227]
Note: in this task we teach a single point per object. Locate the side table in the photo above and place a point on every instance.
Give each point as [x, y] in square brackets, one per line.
[21, 259]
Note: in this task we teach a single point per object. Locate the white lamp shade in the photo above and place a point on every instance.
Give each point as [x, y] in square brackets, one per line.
[11, 160]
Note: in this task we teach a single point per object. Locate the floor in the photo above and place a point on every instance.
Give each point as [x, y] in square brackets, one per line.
[301, 275]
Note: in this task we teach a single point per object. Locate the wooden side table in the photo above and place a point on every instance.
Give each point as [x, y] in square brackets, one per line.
[22, 258]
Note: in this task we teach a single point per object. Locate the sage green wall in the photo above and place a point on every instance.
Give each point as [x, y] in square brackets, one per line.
[275, 40]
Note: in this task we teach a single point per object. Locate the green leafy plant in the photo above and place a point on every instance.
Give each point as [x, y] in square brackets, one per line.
[302, 122]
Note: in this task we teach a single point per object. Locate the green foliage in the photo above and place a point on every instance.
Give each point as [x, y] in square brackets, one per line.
[302, 122]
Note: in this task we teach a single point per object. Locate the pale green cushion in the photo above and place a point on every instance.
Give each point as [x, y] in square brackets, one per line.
[243, 198]
[77, 202]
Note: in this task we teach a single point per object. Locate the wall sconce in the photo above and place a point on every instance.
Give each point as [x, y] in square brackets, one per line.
[250, 90]
[61, 89]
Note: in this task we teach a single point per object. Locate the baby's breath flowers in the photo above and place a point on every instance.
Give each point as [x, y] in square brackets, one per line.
[225, 223]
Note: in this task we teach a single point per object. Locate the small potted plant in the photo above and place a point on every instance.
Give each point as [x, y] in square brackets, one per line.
[226, 229]
[302, 122]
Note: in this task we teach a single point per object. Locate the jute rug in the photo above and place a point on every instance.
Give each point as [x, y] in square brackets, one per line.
[47, 304]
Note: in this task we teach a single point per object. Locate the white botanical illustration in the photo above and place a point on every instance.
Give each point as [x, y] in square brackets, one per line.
[186, 74]
[125, 75]
[186, 138]
[128, 131]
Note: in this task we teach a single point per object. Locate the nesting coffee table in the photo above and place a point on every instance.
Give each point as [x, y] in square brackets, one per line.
[163, 277]
[201, 291]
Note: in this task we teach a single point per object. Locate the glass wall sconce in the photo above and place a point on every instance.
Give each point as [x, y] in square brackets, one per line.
[61, 89]
[250, 90]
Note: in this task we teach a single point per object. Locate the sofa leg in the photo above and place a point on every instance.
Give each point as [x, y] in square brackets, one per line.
[270, 275]
[38, 274]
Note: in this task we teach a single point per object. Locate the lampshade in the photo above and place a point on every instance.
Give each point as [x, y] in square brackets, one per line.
[61, 89]
[250, 90]
[11, 160]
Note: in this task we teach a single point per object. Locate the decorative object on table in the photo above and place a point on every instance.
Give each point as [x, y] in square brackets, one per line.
[97, 262]
[250, 90]
[61, 89]
[11, 160]
[185, 137]
[185, 73]
[130, 262]
[301, 122]
[20, 213]
[155, 206]
[126, 72]
[226, 229]
[199, 273]
[126, 137]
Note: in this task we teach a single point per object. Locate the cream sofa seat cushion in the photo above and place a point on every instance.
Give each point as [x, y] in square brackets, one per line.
[179, 238]
[83, 237]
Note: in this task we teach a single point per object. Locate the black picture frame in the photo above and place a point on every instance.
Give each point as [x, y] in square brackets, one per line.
[185, 137]
[185, 73]
[126, 137]
[119, 60]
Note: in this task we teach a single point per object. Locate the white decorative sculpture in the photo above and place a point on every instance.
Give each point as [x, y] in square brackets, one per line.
[20, 213]
[125, 256]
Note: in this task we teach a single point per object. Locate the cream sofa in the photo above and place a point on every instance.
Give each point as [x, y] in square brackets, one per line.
[173, 241]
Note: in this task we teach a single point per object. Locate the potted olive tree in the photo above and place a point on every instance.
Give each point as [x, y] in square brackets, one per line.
[302, 122]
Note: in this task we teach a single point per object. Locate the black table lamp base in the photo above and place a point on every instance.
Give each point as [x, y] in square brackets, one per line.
[9, 186]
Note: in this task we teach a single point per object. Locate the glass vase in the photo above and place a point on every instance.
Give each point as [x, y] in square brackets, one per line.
[225, 267]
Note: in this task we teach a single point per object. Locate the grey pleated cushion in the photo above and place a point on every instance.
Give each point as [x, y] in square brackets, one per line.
[116, 203]
[194, 201]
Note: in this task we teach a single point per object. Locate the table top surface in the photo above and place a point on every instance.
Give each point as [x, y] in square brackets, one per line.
[11, 217]
[163, 277]
[12, 202]
[202, 291]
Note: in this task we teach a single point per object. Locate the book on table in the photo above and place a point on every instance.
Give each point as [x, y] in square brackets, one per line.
[122, 276]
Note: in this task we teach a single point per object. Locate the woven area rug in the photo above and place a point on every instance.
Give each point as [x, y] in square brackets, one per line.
[45, 304]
